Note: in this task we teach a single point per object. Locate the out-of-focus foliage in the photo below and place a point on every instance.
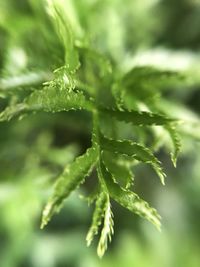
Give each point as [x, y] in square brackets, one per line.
[118, 61]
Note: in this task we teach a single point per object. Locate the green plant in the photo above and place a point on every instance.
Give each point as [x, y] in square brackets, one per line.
[128, 113]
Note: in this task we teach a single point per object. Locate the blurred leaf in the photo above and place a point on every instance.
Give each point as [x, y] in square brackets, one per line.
[72, 177]
[59, 13]
[138, 117]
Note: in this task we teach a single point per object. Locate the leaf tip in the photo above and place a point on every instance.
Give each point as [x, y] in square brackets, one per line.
[174, 160]
[162, 176]
[46, 215]
[89, 238]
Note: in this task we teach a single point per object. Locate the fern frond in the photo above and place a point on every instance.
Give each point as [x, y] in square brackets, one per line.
[107, 231]
[148, 77]
[143, 83]
[70, 179]
[55, 100]
[140, 118]
[48, 100]
[176, 143]
[98, 214]
[135, 150]
[129, 200]
[93, 79]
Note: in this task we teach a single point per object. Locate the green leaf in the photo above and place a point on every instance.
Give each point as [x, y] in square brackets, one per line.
[176, 143]
[148, 79]
[107, 231]
[58, 10]
[142, 83]
[48, 100]
[73, 175]
[135, 150]
[141, 118]
[100, 207]
[190, 121]
[129, 200]
[119, 170]
[13, 111]
[25, 81]
[56, 100]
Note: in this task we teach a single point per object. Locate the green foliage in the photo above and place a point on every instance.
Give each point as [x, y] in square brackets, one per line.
[128, 199]
[141, 118]
[176, 143]
[98, 214]
[72, 176]
[89, 79]
[60, 16]
[134, 150]
[107, 230]
[102, 210]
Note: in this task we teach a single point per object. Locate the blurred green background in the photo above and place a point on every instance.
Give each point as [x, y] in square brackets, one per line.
[33, 151]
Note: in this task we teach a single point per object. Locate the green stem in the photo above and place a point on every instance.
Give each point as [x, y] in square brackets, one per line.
[96, 142]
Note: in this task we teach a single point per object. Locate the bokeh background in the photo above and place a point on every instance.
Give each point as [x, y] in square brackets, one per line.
[165, 33]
